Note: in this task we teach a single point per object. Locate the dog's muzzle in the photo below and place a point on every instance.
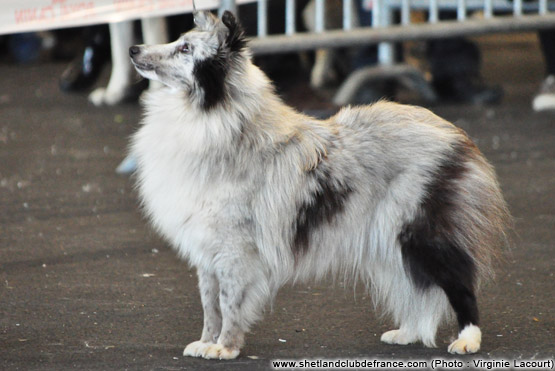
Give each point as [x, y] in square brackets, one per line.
[134, 51]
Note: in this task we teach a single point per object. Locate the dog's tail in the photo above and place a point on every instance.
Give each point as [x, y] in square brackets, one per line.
[480, 219]
[457, 234]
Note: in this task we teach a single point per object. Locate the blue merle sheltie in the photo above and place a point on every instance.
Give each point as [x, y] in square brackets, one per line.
[256, 195]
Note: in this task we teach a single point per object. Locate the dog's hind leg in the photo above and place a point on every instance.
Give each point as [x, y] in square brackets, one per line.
[209, 294]
[456, 281]
[441, 245]
[439, 262]
[417, 312]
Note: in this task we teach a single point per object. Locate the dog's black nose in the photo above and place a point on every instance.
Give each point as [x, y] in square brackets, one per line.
[134, 50]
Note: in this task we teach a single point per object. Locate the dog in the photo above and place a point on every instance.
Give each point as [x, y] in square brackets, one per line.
[256, 195]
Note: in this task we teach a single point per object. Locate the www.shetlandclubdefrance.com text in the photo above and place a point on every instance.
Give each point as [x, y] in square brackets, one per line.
[440, 364]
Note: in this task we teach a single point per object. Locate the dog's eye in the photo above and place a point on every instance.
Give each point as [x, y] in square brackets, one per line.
[185, 48]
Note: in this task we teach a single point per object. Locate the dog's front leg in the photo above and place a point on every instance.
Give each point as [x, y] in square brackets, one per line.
[234, 326]
[243, 294]
[209, 294]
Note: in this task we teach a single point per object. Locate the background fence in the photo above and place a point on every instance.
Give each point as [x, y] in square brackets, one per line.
[392, 21]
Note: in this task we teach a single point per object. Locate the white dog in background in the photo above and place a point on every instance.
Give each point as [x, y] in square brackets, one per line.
[154, 31]
[255, 195]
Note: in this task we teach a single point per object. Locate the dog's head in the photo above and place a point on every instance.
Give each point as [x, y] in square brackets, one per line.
[199, 62]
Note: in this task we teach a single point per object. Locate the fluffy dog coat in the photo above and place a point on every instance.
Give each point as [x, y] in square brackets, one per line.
[254, 194]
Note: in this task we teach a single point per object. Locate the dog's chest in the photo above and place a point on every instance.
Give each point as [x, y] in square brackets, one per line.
[178, 185]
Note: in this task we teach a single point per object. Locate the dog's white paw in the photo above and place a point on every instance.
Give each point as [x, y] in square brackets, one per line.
[464, 346]
[468, 342]
[397, 337]
[218, 351]
[210, 351]
[195, 349]
[103, 96]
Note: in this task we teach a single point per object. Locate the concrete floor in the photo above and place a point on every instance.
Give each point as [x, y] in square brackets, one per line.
[86, 284]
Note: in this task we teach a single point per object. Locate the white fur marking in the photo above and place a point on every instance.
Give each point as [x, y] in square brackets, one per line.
[210, 351]
[399, 337]
[196, 349]
[468, 342]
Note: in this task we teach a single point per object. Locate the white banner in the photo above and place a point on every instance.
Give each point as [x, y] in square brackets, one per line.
[37, 15]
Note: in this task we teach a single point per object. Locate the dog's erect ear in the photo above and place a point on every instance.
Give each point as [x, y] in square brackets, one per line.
[235, 38]
[205, 20]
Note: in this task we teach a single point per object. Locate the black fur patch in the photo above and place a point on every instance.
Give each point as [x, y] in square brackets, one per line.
[210, 75]
[212, 72]
[326, 201]
[430, 254]
[235, 40]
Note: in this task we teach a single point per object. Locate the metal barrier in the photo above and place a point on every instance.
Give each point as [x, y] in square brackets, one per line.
[498, 16]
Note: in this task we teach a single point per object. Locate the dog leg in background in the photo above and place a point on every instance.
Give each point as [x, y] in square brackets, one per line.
[421, 315]
[323, 72]
[121, 37]
[416, 312]
[155, 32]
[121, 78]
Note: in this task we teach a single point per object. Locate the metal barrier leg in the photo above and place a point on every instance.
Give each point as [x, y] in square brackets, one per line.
[323, 71]
[227, 5]
[400, 74]
[405, 75]
[319, 15]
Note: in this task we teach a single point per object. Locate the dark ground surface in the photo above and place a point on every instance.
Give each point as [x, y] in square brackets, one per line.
[86, 284]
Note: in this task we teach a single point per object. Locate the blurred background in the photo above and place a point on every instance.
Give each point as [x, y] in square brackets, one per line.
[84, 281]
